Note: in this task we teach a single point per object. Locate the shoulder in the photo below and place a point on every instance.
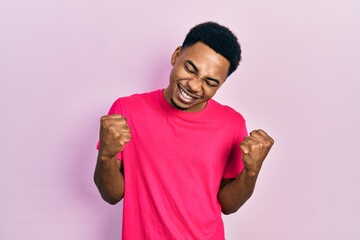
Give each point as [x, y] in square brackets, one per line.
[227, 112]
[135, 103]
[231, 121]
[137, 98]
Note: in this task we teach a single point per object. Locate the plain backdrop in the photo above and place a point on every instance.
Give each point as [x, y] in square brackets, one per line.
[63, 63]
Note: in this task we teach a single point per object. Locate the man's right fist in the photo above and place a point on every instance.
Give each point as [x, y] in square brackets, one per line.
[114, 134]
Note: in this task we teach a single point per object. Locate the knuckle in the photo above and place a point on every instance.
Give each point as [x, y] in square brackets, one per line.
[105, 123]
[269, 141]
[111, 129]
[123, 121]
[114, 132]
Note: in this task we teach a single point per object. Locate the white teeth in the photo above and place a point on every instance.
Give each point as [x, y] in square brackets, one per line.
[185, 95]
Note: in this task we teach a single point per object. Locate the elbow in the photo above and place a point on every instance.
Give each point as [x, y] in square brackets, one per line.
[110, 196]
[230, 206]
[228, 211]
[227, 207]
[111, 200]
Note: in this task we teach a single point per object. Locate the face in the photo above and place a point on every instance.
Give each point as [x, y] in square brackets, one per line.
[197, 73]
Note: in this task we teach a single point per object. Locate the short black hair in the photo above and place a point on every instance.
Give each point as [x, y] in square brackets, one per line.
[217, 37]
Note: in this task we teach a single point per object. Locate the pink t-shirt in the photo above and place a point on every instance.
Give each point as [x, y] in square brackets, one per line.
[174, 165]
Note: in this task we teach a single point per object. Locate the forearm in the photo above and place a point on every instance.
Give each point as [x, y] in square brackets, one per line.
[109, 179]
[235, 193]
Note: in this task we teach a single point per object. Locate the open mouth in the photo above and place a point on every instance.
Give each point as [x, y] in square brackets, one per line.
[186, 96]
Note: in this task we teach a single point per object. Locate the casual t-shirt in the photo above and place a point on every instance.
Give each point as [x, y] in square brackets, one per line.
[173, 167]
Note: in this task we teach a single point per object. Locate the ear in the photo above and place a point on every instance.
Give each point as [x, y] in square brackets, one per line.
[175, 55]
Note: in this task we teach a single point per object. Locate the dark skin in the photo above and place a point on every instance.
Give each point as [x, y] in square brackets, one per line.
[108, 177]
[234, 193]
[197, 73]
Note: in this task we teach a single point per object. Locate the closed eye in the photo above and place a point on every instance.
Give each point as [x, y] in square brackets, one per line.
[212, 82]
[190, 67]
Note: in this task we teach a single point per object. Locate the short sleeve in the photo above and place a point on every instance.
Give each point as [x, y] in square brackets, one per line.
[235, 164]
[114, 109]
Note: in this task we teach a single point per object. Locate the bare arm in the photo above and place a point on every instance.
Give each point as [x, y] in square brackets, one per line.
[234, 193]
[109, 179]
[108, 176]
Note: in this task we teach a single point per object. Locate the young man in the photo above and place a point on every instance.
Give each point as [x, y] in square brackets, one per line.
[177, 157]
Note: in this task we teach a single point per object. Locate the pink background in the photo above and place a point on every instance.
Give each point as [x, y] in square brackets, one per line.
[62, 63]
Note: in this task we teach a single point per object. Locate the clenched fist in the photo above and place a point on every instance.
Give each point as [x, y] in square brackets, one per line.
[114, 134]
[255, 149]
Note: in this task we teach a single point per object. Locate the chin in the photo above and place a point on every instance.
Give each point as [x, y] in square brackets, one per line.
[177, 105]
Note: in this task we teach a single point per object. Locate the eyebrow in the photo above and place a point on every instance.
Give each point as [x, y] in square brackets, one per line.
[197, 71]
[193, 65]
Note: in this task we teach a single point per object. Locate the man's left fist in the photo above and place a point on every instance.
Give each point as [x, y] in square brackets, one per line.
[255, 148]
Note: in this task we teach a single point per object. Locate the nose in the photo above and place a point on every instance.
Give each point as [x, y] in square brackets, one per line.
[195, 85]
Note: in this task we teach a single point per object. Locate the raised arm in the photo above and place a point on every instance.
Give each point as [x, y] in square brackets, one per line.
[108, 176]
[234, 193]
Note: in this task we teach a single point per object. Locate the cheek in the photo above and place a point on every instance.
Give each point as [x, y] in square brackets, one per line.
[210, 92]
[172, 74]
[178, 73]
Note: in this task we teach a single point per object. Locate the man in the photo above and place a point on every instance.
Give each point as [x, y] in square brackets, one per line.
[177, 157]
